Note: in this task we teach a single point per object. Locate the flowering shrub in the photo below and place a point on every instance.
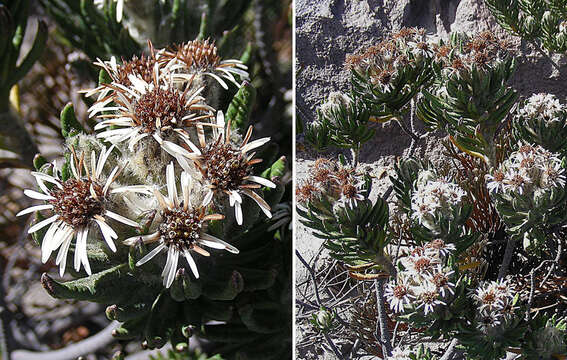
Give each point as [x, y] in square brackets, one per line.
[444, 253]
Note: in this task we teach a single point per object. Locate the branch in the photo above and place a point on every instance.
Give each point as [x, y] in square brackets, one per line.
[312, 274]
[510, 245]
[382, 328]
[450, 350]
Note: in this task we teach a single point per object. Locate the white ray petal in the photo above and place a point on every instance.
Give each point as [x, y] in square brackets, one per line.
[48, 240]
[191, 263]
[42, 224]
[168, 263]
[172, 270]
[102, 160]
[59, 237]
[35, 208]
[238, 212]
[78, 246]
[146, 239]
[208, 198]
[261, 202]
[120, 218]
[48, 178]
[37, 195]
[186, 184]
[150, 255]
[214, 239]
[84, 255]
[217, 78]
[255, 144]
[140, 189]
[62, 255]
[171, 186]
[218, 244]
[260, 180]
[108, 233]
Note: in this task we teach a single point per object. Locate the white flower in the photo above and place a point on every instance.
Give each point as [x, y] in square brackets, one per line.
[227, 169]
[400, 294]
[182, 228]
[155, 110]
[439, 248]
[495, 183]
[400, 354]
[440, 277]
[78, 203]
[200, 57]
[541, 105]
[434, 196]
[428, 297]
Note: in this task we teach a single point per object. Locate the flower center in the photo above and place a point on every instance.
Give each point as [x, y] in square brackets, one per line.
[422, 264]
[167, 105]
[141, 67]
[181, 228]
[349, 191]
[400, 291]
[200, 55]
[75, 204]
[226, 167]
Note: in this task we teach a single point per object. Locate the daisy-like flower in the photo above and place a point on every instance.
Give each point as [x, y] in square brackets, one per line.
[153, 109]
[441, 279]
[545, 105]
[200, 57]
[78, 203]
[495, 183]
[182, 228]
[399, 294]
[140, 67]
[428, 297]
[439, 248]
[517, 181]
[351, 193]
[227, 169]
[553, 175]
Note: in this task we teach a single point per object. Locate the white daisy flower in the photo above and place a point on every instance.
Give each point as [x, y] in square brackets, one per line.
[399, 295]
[439, 248]
[495, 183]
[78, 203]
[227, 169]
[200, 57]
[428, 297]
[154, 110]
[440, 277]
[182, 228]
[140, 67]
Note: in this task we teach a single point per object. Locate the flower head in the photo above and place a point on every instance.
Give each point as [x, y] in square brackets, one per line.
[400, 294]
[227, 169]
[181, 229]
[200, 57]
[77, 203]
[154, 110]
